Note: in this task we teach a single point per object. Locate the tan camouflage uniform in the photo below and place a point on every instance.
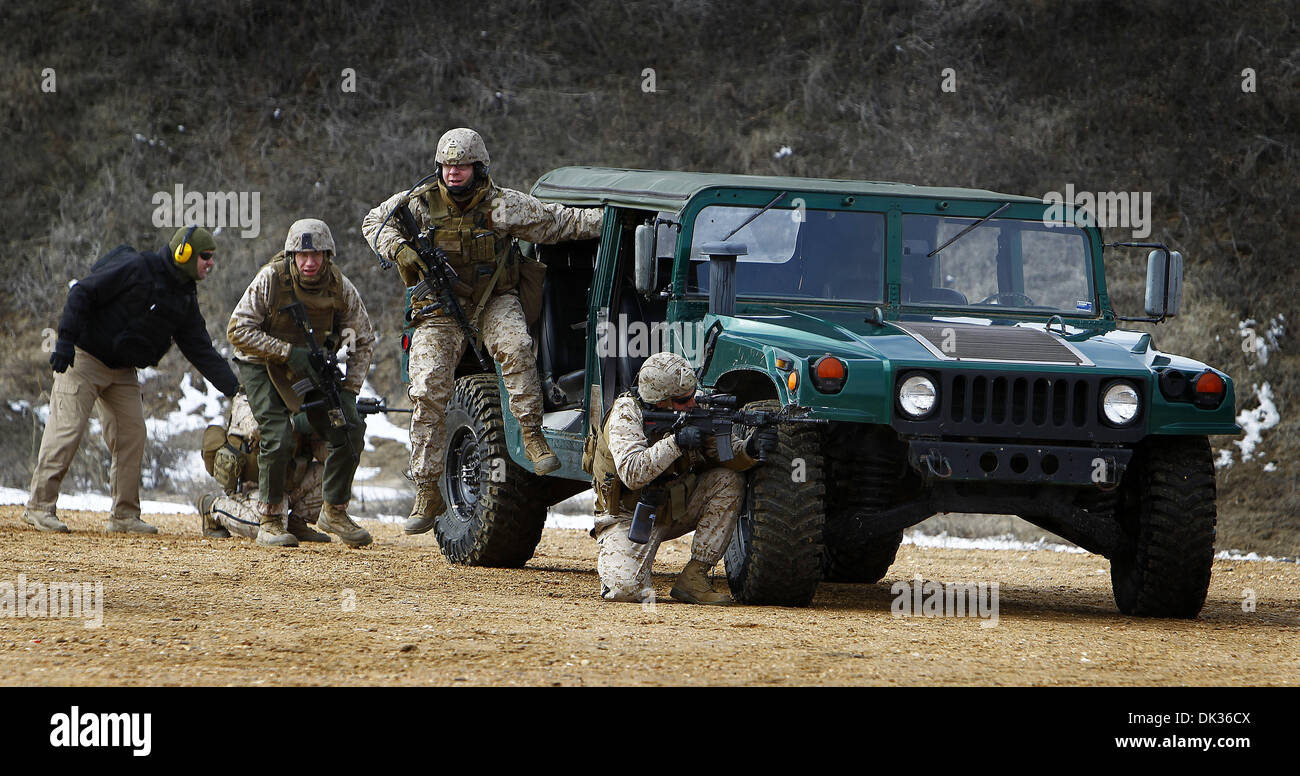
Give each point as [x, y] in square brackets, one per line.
[254, 346]
[237, 511]
[713, 498]
[438, 343]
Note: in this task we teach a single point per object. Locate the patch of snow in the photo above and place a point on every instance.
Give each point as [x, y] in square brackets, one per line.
[1271, 466]
[195, 410]
[569, 521]
[1004, 542]
[94, 502]
[783, 152]
[365, 473]
[1256, 421]
[1224, 459]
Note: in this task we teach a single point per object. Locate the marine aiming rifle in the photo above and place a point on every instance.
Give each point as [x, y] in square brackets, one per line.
[716, 414]
[437, 280]
[324, 375]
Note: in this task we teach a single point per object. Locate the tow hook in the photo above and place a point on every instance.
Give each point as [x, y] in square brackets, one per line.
[932, 458]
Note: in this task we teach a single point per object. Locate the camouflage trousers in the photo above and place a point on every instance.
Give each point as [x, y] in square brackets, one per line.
[436, 347]
[711, 511]
[237, 511]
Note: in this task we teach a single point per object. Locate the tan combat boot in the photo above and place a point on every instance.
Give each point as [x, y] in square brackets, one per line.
[299, 527]
[44, 521]
[335, 519]
[131, 524]
[208, 524]
[428, 505]
[544, 460]
[271, 532]
[694, 587]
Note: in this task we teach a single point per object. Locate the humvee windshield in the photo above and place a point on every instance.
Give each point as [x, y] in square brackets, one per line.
[1002, 262]
[814, 254]
[838, 255]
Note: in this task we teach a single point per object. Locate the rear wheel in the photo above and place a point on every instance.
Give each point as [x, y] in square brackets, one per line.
[1167, 510]
[495, 509]
[775, 553]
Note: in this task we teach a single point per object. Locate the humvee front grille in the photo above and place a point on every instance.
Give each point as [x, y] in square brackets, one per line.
[1019, 405]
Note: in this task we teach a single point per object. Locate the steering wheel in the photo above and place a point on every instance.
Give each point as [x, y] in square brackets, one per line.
[1013, 297]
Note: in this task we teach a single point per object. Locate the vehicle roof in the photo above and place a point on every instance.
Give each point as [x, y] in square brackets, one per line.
[670, 190]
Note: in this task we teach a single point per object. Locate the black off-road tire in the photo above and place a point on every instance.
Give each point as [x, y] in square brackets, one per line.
[1168, 511]
[775, 554]
[856, 488]
[495, 509]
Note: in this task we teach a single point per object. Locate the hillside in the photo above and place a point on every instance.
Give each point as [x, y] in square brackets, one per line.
[326, 113]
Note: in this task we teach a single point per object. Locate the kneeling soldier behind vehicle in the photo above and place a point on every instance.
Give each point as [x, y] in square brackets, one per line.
[673, 472]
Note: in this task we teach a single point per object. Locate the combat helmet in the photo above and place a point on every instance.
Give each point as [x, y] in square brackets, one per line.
[663, 376]
[309, 234]
[462, 146]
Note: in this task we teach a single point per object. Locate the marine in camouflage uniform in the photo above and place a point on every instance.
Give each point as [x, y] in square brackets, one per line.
[700, 494]
[475, 221]
[271, 351]
[230, 453]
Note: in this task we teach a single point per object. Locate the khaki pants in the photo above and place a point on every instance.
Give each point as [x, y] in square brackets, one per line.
[115, 393]
[711, 511]
[436, 348]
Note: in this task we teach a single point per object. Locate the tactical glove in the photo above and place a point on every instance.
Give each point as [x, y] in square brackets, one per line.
[299, 362]
[408, 259]
[63, 356]
[689, 438]
[761, 442]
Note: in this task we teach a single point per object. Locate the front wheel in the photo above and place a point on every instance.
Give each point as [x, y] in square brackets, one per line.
[494, 513]
[775, 554]
[1167, 511]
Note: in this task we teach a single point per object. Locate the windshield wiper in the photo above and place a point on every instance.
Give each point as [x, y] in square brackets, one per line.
[958, 236]
[766, 208]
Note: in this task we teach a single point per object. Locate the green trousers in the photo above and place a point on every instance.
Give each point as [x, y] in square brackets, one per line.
[275, 424]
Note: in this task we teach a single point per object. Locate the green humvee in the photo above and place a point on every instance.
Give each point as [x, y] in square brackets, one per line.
[961, 343]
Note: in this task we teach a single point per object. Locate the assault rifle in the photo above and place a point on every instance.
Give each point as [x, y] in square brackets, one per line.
[717, 413]
[324, 375]
[437, 280]
[714, 415]
[372, 405]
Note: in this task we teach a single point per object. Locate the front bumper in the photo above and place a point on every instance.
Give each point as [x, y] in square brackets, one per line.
[996, 462]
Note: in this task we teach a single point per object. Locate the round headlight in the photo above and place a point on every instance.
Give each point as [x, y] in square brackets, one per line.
[917, 396]
[1120, 403]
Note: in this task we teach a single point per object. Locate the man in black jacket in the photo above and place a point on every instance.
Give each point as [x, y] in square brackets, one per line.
[123, 316]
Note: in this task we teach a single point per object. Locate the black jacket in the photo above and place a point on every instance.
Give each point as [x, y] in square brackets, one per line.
[131, 307]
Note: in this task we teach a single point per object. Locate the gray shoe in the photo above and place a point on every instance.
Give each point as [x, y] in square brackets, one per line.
[303, 530]
[335, 519]
[208, 525]
[130, 525]
[44, 521]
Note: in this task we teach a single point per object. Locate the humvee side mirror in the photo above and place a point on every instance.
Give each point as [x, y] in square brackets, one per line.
[644, 249]
[1164, 283]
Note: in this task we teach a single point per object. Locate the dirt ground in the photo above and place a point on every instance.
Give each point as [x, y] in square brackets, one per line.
[179, 609]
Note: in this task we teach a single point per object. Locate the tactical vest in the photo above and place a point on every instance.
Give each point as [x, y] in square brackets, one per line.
[612, 496]
[325, 307]
[473, 249]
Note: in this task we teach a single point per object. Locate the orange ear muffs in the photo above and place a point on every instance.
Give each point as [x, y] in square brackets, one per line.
[184, 251]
